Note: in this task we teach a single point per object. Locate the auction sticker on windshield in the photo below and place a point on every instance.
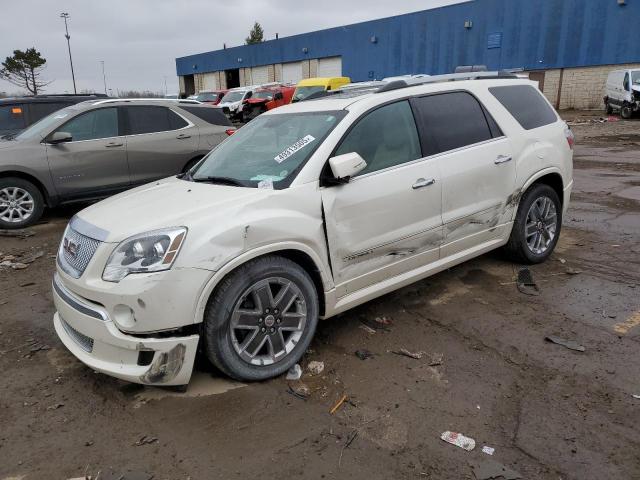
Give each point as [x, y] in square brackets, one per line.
[289, 151]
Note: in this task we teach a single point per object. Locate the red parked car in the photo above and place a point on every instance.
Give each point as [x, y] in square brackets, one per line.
[267, 98]
[212, 97]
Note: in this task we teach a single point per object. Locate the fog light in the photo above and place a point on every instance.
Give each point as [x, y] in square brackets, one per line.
[123, 316]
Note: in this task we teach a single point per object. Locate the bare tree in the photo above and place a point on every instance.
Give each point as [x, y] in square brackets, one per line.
[24, 69]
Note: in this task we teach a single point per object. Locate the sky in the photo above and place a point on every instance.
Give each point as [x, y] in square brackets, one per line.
[138, 40]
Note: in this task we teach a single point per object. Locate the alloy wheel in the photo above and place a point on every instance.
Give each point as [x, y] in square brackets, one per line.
[268, 321]
[16, 204]
[541, 225]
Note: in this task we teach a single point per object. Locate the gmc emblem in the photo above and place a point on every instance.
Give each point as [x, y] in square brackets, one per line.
[70, 247]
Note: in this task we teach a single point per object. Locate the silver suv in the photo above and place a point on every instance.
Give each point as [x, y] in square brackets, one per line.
[97, 148]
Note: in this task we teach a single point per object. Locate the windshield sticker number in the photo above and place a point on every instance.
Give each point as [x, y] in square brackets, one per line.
[289, 151]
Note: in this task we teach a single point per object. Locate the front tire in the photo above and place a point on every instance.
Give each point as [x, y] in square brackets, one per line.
[21, 203]
[626, 112]
[261, 319]
[536, 228]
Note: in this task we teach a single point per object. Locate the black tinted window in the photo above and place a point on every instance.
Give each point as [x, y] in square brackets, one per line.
[384, 138]
[525, 104]
[150, 119]
[211, 115]
[12, 117]
[451, 120]
[41, 110]
[92, 125]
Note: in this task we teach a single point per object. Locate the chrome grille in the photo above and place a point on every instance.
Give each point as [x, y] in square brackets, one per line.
[84, 342]
[76, 251]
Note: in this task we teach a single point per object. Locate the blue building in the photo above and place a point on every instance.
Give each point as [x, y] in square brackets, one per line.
[555, 40]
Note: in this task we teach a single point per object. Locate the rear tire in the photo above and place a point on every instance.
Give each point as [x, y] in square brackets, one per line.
[536, 228]
[21, 203]
[253, 332]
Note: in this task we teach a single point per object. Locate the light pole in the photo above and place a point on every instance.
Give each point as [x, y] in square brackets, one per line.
[165, 84]
[104, 78]
[64, 16]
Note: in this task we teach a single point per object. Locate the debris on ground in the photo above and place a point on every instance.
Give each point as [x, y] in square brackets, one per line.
[407, 353]
[315, 367]
[562, 261]
[145, 440]
[31, 257]
[294, 372]
[299, 390]
[525, 282]
[572, 271]
[338, 404]
[459, 440]
[636, 397]
[488, 450]
[379, 323]
[352, 436]
[488, 469]
[17, 233]
[436, 359]
[570, 344]
[363, 354]
[55, 406]
[13, 265]
[367, 329]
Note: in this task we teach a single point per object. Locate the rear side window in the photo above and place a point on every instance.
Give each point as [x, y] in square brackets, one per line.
[41, 110]
[150, 119]
[12, 117]
[386, 137]
[211, 115]
[452, 120]
[525, 104]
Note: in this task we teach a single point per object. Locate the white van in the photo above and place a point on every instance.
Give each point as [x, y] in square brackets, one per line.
[622, 92]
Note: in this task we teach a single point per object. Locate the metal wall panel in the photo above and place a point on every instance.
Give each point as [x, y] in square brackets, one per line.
[533, 34]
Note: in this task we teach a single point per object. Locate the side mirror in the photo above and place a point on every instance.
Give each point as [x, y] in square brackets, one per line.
[278, 96]
[60, 137]
[346, 166]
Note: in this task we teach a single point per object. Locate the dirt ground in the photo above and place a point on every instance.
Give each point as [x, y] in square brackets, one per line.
[549, 412]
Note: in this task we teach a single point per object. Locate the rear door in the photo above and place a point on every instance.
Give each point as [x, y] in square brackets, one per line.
[160, 142]
[386, 220]
[94, 162]
[476, 165]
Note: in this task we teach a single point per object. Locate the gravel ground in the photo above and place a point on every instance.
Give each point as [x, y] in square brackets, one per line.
[549, 412]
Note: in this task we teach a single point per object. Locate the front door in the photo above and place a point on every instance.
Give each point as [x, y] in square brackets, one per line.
[160, 143]
[386, 220]
[476, 164]
[94, 162]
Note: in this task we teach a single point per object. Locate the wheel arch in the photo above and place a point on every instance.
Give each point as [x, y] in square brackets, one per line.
[551, 177]
[48, 199]
[300, 254]
[195, 159]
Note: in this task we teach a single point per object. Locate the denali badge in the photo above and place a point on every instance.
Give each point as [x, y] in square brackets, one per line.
[70, 248]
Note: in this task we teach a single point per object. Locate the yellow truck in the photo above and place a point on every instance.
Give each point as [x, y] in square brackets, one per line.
[310, 86]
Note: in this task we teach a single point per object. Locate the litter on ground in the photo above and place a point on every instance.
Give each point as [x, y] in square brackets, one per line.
[570, 344]
[459, 440]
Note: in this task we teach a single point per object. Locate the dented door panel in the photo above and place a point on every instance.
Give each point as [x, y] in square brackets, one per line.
[380, 223]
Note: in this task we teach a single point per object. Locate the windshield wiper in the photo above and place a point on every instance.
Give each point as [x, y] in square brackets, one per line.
[219, 180]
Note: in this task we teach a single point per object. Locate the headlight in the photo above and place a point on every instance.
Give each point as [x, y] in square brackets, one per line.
[148, 252]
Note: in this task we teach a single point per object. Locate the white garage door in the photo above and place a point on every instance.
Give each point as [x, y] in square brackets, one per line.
[259, 75]
[330, 67]
[291, 72]
[209, 81]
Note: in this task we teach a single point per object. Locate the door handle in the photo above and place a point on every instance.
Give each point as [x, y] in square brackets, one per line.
[503, 159]
[113, 144]
[182, 136]
[421, 183]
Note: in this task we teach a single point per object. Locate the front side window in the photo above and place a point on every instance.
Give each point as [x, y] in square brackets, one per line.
[151, 119]
[635, 77]
[625, 83]
[271, 148]
[92, 125]
[450, 121]
[384, 138]
[303, 92]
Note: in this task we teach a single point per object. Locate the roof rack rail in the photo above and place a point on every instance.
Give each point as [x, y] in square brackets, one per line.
[172, 100]
[450, 77]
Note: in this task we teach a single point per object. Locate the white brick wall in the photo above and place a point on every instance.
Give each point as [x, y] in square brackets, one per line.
[582, 88]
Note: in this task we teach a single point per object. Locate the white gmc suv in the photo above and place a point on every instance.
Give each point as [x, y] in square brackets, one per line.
[307, 211]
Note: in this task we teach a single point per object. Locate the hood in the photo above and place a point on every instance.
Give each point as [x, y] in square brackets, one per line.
[167, 203]
[635, 88]
[255, 101]
[229, 104]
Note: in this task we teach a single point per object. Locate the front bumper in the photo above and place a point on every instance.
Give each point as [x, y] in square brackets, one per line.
[88, 332]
